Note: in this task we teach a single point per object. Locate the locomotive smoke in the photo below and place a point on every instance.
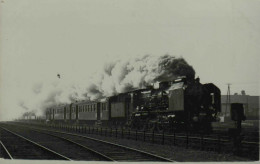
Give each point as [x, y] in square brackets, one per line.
[128, 74]
[115, 77]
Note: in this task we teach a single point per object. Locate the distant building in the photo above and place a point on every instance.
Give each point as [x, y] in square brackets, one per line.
[251, 104]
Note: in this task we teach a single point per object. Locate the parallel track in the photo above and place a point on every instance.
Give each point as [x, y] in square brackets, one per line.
[114, 151]
[110, 151]
[19, 147]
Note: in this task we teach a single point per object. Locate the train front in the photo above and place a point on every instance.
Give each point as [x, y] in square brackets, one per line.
[194, 105]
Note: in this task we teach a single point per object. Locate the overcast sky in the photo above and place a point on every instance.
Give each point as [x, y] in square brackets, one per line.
[40, 38]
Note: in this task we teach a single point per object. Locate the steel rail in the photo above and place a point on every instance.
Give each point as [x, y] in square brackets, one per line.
[8, 153]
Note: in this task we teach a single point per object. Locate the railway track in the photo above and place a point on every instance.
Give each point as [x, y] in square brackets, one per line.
[216, 143]
[105, 150]
[16, 146]
[5, 153]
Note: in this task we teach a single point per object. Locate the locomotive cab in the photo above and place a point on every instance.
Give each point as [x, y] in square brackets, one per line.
[195, 104]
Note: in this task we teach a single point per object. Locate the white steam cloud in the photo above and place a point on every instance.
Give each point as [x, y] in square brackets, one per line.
[115, 77]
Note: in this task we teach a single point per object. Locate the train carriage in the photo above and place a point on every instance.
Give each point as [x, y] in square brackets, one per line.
[59, 113]
[74, 112]
[88, 112]
[67, 112]
[104, 111]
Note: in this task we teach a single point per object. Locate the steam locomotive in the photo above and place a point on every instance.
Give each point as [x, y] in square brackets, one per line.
[181, 104]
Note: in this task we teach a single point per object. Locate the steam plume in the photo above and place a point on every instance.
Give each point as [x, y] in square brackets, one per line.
[125, 75]
[115, 77]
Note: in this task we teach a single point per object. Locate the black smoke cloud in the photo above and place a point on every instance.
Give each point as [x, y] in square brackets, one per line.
[172, 68]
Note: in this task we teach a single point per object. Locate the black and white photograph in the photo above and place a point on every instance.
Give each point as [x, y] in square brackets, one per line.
[129, 81]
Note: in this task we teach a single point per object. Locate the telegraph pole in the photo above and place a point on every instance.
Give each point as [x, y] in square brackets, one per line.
[228, 98]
